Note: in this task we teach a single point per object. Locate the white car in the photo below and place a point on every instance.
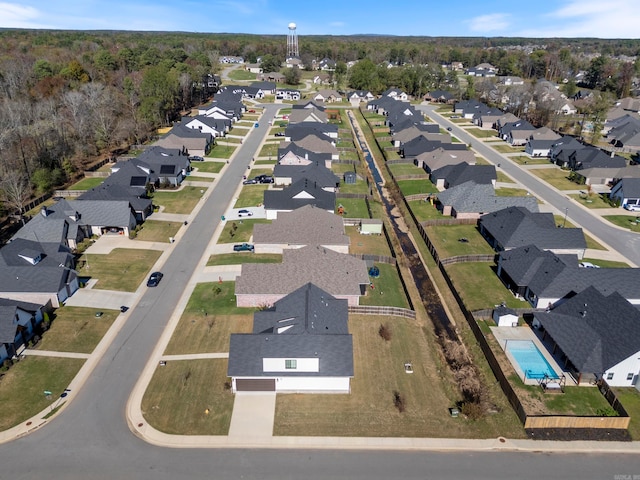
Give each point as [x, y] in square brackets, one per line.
[632, 207]
[588, 265]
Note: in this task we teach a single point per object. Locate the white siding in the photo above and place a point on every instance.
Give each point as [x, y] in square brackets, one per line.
[620, 372]
[302, 365]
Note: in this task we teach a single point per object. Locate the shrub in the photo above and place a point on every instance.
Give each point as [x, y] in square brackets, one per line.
[399, 401]
[385, 332]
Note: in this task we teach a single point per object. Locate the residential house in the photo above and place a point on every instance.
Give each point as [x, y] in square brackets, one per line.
[626, 191]
[18, 323]
[322, 79]
[396, 94]
[327, 96]
[626, 136]
[299, 228]
[441, 157]
[268, 88]
[517, 226]
[359, 96]
[297, 195]
[315, 143]
[516, 133]
[297, 131]
[468, 108]
[440, 96]
[188, 141]
[215, 126]
[420, 144]
[540, 142]
[597, 335]
[315, 173]
[508, 80]
[299, 115]
[302, 344]
[339, 274]
[287, 94]
[253, 67]
[293, 154]
[451, 175]
[326, 64]
[169, 165]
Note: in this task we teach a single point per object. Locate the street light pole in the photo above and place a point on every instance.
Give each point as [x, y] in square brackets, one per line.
[566, 210]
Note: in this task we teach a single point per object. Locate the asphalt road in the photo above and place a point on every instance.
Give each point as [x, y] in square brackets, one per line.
[624, 242]
[90, 439]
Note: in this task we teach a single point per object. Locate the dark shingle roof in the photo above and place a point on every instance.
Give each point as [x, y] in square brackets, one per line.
[299, 194]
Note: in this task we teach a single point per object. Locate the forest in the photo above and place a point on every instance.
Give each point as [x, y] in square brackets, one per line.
[68, 98]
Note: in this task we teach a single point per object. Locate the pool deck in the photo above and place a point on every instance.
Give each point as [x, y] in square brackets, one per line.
[504, 334]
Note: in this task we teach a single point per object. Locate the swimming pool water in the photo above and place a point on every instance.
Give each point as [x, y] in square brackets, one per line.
[530, 360]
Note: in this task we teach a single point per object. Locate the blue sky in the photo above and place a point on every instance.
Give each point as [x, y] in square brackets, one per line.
[490, 18]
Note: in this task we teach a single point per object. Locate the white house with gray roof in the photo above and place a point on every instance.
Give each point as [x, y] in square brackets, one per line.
[343, 276]
[302, 344]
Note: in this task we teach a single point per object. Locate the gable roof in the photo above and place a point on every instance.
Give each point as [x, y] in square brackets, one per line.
[315, 172]
[463, 172]
[471, 197]
[299, 194]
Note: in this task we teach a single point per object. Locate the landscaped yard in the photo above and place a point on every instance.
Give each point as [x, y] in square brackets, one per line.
[87, 183]
[503, 178]
[195, 178]
[77, 329]
[506, 148]
[178, 201]
[482, 133]
[241, 74]
[625, 221]
[251, 195]
[123, 269]
[367, 244]
[157, 231]
[23, 385]
[269, 150]
[406, 169]
[242, 231]
[208, 167]
[414, 187]
[446, 239]
[353, 207]
[238, 258]
[590, 201]
[511, 192]
[630, 399]
[379, 372]
[556, 177]
[221, 151]
[260, 171]
[189, 398]
[424, 210]
[480, 287]
[387, 289]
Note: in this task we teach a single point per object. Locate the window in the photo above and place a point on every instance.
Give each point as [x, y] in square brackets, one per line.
[629, 376]
[290, 364]
[609, 376]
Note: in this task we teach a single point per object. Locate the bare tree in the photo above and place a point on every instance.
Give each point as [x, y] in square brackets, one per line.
[15, 190]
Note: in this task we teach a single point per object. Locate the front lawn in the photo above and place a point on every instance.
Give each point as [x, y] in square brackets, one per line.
[178, 201]
[590, 201]
[251, 195]
[480, 287]
[189, 398]
[556, 177]
[481, 133]
[221, 151]
[506, 148]
[511, 192]
[23, 385]
[353, 207]
[269, 150]
[238, 258]
[215, 298]
[157, 231]
[122, 269]
[446, 239]
[625, 221]
[209, 167]
[414, 187]
[526, 160]
[77, 329]
[241, 232]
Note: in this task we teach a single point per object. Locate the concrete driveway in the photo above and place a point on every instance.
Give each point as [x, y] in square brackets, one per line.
[258, 212]
[107, 299]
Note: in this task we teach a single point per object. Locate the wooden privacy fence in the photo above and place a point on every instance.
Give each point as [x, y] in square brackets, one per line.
[379, 310]
[555, 421]
[436, 222]
[68, 193]
[376, 258]
[489, 257]
[89, 174]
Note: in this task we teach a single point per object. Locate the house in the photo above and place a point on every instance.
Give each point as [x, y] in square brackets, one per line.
[396, 94]
[297, 131]
[626, 136]
[517, 226]
[317, 144]
[214, 126]
[440, 96]
[326, 64]
[302, 344]
[626, 191]
[291, 153]
[504, 316]
[516, 133]
[359, 96]
[429, 131]
[508, 81]
[597, 335]
[253, 67]
[299, 115]
[268, 88]
[452, 175]
[315, 173]
[287, 94]
[322, 79]
[170, 166]
[297, 195]
[327, 96]
[441, 157]
[299, 228]
[187, 140]
[420, 144]
[18, 324]
[468, 108]
[471, 200]
[341, 275]
[592, 157]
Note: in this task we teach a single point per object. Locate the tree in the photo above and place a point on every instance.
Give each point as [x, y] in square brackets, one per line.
[292, 76]
[270, 63]
[15, 190]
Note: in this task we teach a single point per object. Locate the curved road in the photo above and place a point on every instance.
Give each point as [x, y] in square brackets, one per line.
[90, 438]
[623, 241]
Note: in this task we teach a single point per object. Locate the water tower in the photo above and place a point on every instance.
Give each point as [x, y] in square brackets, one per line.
[292, 41]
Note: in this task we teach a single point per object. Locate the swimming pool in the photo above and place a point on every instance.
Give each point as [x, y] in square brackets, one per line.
[529, 359]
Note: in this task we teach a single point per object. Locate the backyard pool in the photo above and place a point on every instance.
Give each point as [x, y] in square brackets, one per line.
[531, 362]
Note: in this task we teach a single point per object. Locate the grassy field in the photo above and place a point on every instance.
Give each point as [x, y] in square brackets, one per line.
[414, 187]
[556, 177]
[87, 183]
[269, 150]
[480, 287]
[157, 231]
[77, 329]
[238, 258]
[624, 221]
[446, 240]
[209, 167]
[179, 201]
[195, 178]
[379, 372]
[251, 195]
[123, 269]
[367, 244]
[630, 399]
[240, 74]
[260, 171]
[189, 398]
[353, 207]
[242, 232]
[23, 385]
[387, 289]
[406, 169]
[503, 178]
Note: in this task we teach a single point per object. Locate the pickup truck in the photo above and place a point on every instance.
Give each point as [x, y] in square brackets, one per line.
[243, 247]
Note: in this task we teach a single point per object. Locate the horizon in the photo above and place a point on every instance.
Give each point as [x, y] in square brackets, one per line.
[546, 19]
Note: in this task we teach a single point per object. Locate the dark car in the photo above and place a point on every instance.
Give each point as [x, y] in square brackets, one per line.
[154, 279]
[243, 247]
[250, 181]
[266, 179]
[448, 129]
[196, 158]
[245, 213]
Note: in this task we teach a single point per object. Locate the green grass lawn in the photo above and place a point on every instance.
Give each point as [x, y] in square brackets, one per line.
[406, 169]
[446, 240]
[178, 201]
[194, 178]
[242, 231]
[480, 287]
[238, 258]
[526, 160]
[157, 231]
[353, 207]
[424, 210]
[251, 195]
[556, 177]
[123, 269]
[503, 178]
[606, 263]
[241, 74]
[359, 187]
[260, 171]
[506, 148]
[511, 192]
[367, 244]
[87, 183]
[221, 151]
[630, 399]
[23, 385]
[577, 401]
[482, 133]
[387, 289]
[208, 167]
[624, 221]
[77, 329]
[269, 150]
[590, 201]
[414, 187]
[265, 162]
[378, 372]
[189, 398]
[215, 299]
[340, 168]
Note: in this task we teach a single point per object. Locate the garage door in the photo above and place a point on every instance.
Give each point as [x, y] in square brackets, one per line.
[256, 385]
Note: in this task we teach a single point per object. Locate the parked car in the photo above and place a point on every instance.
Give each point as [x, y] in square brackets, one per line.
[279, 134]
[250, 181]
[245, 213]
[252, 111]
[196, 158]
[632, 207]
[285, 117]
[154, 279]
[588, 265]
[243, 247]
[282, 124]
[266, 179]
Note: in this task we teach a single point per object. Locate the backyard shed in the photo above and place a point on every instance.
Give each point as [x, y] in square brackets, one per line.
[371, 226]
[350, 177]
[505, 317]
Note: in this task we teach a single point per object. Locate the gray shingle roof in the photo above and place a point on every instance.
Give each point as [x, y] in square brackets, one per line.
[315, 172]
[470, 197]
[299, 194]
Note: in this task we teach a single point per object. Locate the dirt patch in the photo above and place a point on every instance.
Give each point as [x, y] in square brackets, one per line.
[577, 434]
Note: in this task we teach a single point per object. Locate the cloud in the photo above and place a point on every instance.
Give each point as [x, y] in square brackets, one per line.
[489, 23]
[13, 15]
